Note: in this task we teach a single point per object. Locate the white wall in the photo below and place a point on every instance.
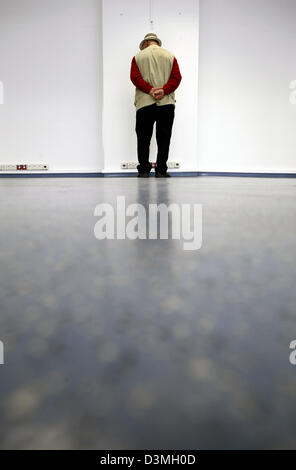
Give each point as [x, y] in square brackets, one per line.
[124, 26]
[247, 61]
[50, 67]
[240, 118]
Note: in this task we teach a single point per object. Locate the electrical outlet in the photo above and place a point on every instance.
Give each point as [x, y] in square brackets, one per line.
[129, 165]
[9, 167]
[39, 167]
[173, 165]
[132, 165]
[23, 167]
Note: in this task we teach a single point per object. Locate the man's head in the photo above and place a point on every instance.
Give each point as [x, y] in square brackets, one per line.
[150, 39]
[149, 43]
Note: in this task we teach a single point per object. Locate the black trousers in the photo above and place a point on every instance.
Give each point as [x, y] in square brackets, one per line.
[145, 119]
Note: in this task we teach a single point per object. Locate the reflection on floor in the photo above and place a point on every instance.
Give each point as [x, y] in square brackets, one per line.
[140, 344]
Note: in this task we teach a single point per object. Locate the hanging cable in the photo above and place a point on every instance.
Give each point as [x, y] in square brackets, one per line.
[151, 15]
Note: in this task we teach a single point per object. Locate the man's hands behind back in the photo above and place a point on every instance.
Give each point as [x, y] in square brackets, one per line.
[157, 93]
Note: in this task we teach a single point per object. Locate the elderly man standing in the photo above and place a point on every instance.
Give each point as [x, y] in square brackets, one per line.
[156, 75]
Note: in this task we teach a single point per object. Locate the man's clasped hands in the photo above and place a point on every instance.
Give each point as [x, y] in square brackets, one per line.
[157, 93]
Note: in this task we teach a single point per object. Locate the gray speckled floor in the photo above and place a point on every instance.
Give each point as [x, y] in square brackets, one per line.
[140, 344]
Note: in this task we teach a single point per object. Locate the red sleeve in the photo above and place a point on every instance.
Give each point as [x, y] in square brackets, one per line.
[175, 79]
[137, 78]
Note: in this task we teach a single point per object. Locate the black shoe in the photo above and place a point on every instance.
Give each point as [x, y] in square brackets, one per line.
[162, 175]
[143, 175]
